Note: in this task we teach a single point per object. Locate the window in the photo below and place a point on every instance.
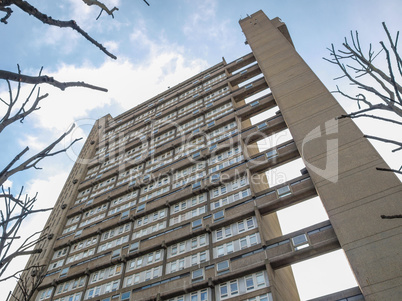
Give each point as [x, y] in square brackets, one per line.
[101, 289]
[64, 272]
[196, 185]
[80, 255]
[114, 243]
[254, 103]
[148, 230]
[264, 297]
[249, 283]
[73, 297]
[240, 226]
[229, 289]
[300, 241]
[141, 208]
[142, 276]
[134, 247]
[222, 267]
[201, 295]
[125, 214]
[185, 246]
[115, 232]
[283, 191]
[219, 215]
[271, 154]
[262, 126]
[196, 224]
[105, 273]
[235, 228]
[78, 233]
[260, 279]
[215, 177]
[236, 245]
[197, 275]
[116, 253]
[244, 285]
[45, 294]
[212, 123]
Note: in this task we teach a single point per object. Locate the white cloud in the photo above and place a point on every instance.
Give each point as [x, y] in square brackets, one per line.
[204, 24]
[111, 46]
[7, 184]
[33, 142]
[48, 188]
[128, 83]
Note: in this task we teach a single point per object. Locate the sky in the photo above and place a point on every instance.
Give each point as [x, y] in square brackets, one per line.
[157, 47]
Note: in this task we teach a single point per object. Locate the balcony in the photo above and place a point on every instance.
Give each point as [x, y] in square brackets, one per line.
[275, 156]
[240, 63]
[301, 245]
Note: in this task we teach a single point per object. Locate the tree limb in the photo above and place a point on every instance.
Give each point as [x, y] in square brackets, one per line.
[102, 6]
[391, 170]
[355, 64]
[44, 79]
[356, 115]
[383, 140]
[8, 12]
[34, 160]
[31, 10]
[391, 216]
[23, 111]
[394, 47]
[16, 254]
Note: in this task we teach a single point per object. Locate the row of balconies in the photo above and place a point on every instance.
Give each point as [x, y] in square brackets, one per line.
[168, 95]
[299, 189]
[174, 92]
[285, 152]
[274, 156]
[250, 89]
[250, 135]
[278, 252]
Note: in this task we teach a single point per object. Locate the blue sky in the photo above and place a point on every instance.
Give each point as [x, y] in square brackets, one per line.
[157, 47]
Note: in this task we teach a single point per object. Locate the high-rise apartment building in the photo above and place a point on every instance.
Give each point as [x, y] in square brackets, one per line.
[169, 200]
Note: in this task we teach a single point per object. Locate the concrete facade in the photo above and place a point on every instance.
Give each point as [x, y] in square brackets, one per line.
[356, 194]
[169, 200]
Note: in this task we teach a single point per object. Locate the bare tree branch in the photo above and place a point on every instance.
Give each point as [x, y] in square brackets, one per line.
[28, 106]
[359, 69]
[34, 160]
[31, 10]
[8, 12]
[44, 79]
[391, 216]
[394, 47]
[358, 114]
[384, 140]
[389, 169]
[397, 88]
[10, 223]
[28, 286]
[102, 6]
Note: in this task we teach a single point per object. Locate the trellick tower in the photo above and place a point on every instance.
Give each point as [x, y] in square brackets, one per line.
[169, 200]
